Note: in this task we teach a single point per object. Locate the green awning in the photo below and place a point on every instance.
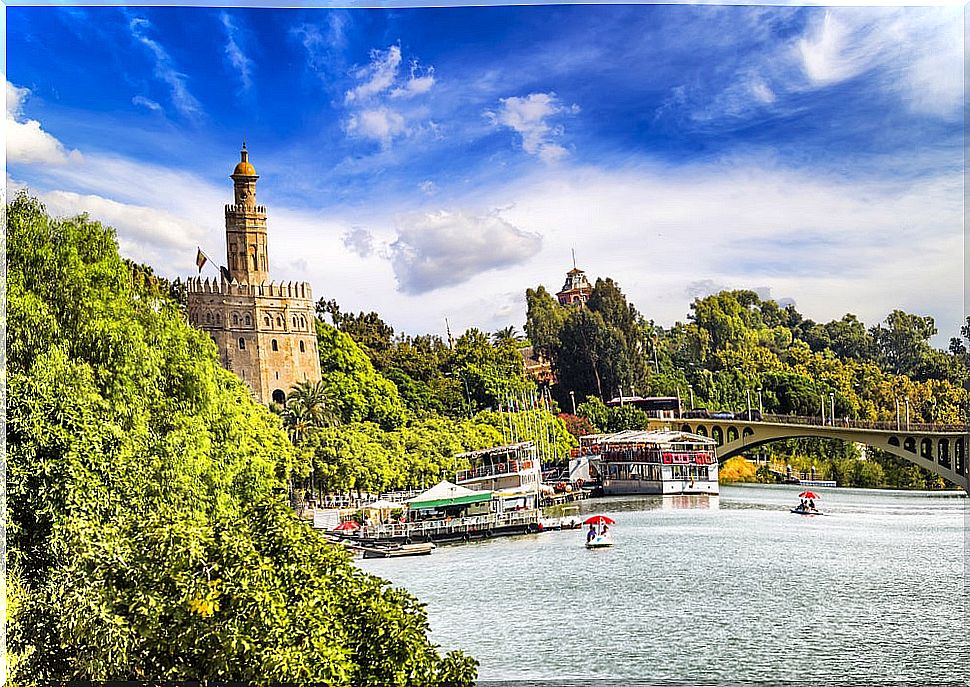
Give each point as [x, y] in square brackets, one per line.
[465, 500]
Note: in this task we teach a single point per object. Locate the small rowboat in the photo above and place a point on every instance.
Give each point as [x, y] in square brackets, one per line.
[396, 550]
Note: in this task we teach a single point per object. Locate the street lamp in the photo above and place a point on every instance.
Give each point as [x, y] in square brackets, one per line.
[832, 397]
[572, 397]
[761, 409]
[691, 390]
[897, 414]
[748, 392]
[907, 413]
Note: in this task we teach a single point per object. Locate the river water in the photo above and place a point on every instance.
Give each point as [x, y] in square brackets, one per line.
[713, 588]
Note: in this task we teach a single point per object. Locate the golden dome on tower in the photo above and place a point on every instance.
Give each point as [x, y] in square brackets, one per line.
[244, 168]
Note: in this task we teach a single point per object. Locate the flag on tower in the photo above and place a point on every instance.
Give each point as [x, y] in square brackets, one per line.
[200, 259]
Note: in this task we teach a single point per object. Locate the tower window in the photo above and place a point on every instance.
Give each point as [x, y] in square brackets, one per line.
[235, 319]
[242, 344]
[249, 321]
[279, 322]
[276, 346]
[269, 322]
[277, 375]
[279, 396]
[295, 323]
[302, 348]
[208, 318]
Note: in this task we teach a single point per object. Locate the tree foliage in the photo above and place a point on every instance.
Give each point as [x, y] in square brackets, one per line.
[148, 532]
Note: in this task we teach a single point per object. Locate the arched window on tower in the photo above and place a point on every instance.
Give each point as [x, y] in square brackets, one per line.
[208, 318]
[242, 344]
[235, 319]
[276, 346]
[269, 322]
[302, 348]
[249, 321]
[254, 258]
[279, 321]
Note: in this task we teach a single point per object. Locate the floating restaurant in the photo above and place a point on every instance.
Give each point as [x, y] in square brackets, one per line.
[642, 462]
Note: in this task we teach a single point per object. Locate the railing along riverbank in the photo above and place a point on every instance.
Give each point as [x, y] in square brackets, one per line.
[451, 529]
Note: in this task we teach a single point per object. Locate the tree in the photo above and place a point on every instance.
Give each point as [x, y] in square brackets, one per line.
[544, 321]
[148, 535]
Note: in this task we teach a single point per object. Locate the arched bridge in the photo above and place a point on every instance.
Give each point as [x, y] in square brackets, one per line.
[941, 450]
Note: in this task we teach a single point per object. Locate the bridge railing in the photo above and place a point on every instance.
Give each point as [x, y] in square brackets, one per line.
[849, 423]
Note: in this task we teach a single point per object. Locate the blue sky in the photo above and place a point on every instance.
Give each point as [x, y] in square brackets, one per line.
[430, 163]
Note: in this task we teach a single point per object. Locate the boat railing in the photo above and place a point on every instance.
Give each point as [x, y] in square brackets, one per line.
[472, 523]
[511, 467]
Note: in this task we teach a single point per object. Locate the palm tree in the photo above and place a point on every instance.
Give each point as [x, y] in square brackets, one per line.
[506, 334]
[297, 420]
[312, 396]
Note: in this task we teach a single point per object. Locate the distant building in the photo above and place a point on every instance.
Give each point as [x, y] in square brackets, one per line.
[537, 368]
[265, 331]
[576, 290]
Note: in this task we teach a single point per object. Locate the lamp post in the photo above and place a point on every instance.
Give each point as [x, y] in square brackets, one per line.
[821, 407]
[897, 414]
[832, 398]
[907, 413]
[691, 390]
[761, 408]
[748, 393]
[572, 397]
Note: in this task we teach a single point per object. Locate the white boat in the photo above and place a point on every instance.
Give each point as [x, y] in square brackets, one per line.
[600, 541]
[656, 462]
[513, 473]
[599, 535]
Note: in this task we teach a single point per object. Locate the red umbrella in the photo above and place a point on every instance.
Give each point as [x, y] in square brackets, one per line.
[346, 525]
[809, 495]
[599, 520]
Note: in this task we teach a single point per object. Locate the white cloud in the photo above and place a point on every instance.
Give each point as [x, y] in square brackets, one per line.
[27, 142]
[829, 56]
[234, 53]
[379, 74]
[165, 70]
[371, 115]
[417, 82]
[380, 125]
[529, 117]
[147, 103]
[428, 187]
[360, 241]
[445, 248]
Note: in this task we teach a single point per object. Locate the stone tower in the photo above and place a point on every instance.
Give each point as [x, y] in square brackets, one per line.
[265, 331]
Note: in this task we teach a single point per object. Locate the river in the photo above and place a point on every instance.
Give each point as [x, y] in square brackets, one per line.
[698, 588]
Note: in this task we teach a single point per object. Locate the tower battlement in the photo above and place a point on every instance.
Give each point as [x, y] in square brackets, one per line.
[291, 289]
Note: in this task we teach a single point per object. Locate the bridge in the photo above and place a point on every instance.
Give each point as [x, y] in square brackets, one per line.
[941, 449]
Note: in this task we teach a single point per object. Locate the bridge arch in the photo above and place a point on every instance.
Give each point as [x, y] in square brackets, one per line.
[941, 452]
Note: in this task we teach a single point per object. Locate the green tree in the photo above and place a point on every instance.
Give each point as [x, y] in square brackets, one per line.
[148, 535]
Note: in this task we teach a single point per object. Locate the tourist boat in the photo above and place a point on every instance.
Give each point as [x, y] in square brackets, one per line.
[602, 537]
[652, 462]
[513, 473]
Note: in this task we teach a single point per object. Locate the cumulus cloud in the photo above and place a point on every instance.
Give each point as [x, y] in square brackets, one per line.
[234, 53]
[529, 117]
[165, 70]
[27, 142]
[360, 241]
[445, 248]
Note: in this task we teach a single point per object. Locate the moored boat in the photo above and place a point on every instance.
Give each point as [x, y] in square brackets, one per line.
[653, 462]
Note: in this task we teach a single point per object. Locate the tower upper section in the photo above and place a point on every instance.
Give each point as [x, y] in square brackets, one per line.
[247, 252]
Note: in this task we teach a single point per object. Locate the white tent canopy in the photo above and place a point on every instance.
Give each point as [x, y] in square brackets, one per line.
[447, 494]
